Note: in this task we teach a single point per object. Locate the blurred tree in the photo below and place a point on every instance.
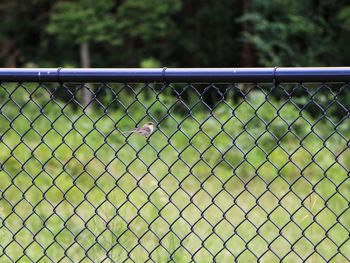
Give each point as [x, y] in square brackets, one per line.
[21, 30]
[287, 33]
[178, 33]
[294, 33]
[83, 22]
[147, 28]
[247, 54]
[344, 17]
[191, 33]
[207, 34]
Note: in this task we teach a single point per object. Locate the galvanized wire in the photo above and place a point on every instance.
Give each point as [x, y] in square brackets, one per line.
[232, 172]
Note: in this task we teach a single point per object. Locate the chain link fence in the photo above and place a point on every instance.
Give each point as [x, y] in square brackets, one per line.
[253, 171]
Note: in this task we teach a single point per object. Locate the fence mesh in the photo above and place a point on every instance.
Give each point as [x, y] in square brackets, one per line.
[231, 172]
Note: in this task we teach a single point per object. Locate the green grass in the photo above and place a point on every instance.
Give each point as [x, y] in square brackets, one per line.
[207, 187]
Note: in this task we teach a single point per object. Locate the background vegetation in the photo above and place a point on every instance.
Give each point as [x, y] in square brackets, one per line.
[174, 33]
[248, 172]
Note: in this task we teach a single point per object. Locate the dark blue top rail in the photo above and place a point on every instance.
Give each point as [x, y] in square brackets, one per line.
[278, 74]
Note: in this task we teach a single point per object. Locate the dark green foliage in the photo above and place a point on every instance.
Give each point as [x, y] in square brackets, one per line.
[175, 33]
[83, 20]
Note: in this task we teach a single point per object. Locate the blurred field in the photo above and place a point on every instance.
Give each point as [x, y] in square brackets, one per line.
[248, 180]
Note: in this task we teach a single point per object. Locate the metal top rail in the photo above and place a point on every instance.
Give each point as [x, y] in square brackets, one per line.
[278, 74]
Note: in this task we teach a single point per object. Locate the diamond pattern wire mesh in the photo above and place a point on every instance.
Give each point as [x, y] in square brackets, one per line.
[231, 172]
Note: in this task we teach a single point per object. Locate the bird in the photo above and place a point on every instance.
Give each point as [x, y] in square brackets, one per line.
[145, 130]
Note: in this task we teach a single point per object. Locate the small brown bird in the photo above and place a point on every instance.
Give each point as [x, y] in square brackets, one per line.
[146, 130]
